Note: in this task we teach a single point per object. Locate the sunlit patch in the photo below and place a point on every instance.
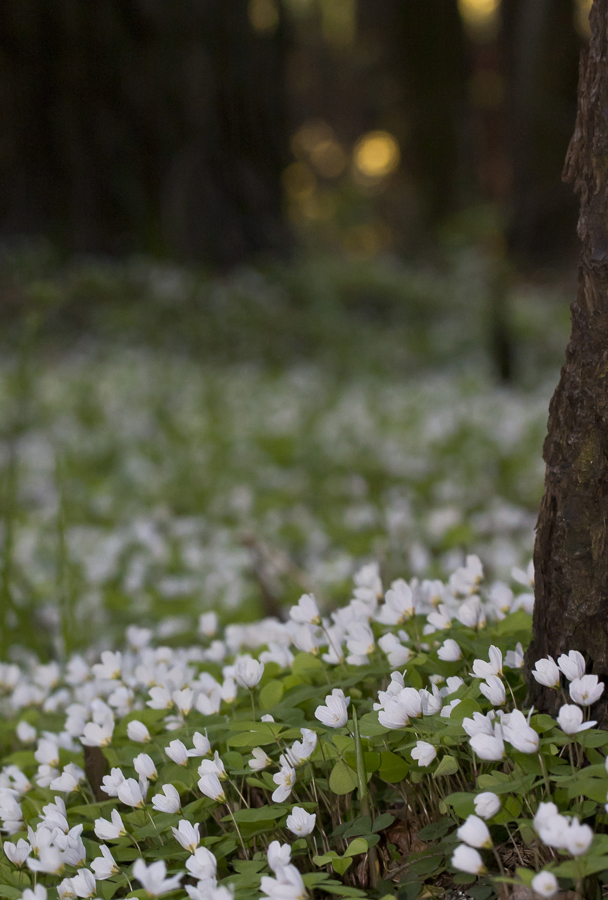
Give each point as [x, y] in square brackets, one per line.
[376, 154]
[263, 15]
[298, 181]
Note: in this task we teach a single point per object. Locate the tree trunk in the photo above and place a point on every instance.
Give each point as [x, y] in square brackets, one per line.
[571, 552]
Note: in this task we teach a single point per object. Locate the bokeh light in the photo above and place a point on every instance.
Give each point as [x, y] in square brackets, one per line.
[582, 8]
[376, 154]
[481, 18]
[263, 15]
[328, 158]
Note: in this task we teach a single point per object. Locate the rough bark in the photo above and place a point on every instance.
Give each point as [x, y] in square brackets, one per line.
[570, 555]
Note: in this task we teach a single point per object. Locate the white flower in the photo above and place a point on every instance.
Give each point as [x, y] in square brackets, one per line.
[109, 667]
[578, 838]
[396, 653]
[306, 612]
[573, 666]
[161, 698]
[37, 893]
[177, 752]
[424, 753]
[487, 804]
[213, 766]
[399, 604]
[84, 883]
[98, 735]
[335, 713]
[439, 620]
[104, 866]
[111, 782]
[50, 860]
[494, 690]
[301, 751]
[66, 783]
[130, 792]
[515, 658]
[153, 877]
[545, 884]
[47, 752]
[570, 719]
[431, 703]
[144, 766]
[259, 760]
[170, 802]
[488, 746]
[187, 835]
[550, 826]
[183, 700]
[285, 778]
[202, 863]
[137, 731]
[518, 733]
[471, 613]
[201, 745]
[546, 672]
[110, 831]
[248, 671]
[467, 859]
[26, 732]
[484, 669]
[279, 855]
[287, 885]
[208, 624]
[300, 822]
[393, 715]
[586, 690]
[449, 651]
[17, 853]
[209, 784]
[475, 833]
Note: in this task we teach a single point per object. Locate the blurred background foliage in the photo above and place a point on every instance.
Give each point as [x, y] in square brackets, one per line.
[284, 285]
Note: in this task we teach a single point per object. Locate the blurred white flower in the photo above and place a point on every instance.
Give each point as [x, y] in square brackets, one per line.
[306, 611]
[449, 651]
[153, 878]
[545, 884]
[475, 833]
[487, 804]
[467, 859]
[137, 731]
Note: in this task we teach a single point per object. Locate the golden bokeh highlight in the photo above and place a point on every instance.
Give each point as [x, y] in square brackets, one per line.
[376, 154]
[328, 158]
[582, 8]
[263, 15]
[481, 18]
[310, 135]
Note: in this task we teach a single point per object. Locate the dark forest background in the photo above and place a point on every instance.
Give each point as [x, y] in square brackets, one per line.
[229, 131]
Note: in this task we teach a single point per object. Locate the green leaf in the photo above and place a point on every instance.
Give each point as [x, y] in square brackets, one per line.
[341, 865]
[362, 825]
[342, 779]
[369, 726]
[382, 822]
[233, 760]
[305, 663]
[464, 710]
[393, 768]
[435, 830]
[271, 694]
[359, 845]
[11, 893]
[259, 814]
[447, 766]
[592, 738]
